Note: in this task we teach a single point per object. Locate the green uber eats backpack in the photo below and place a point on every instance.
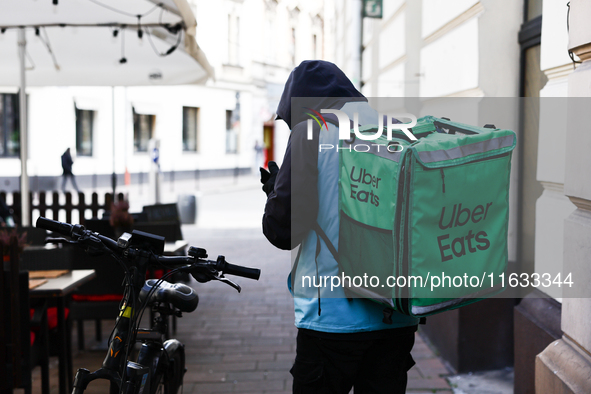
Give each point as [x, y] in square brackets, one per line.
[424, 224]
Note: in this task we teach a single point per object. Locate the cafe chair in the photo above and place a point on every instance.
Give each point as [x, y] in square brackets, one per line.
[23, 341]
[98, 299]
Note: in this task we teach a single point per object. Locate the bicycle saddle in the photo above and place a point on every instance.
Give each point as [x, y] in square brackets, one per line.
[179, 295]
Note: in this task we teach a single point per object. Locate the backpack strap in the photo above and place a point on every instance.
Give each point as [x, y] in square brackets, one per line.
[322, 234]
[318, 246]
[295, 267]
[319, 234]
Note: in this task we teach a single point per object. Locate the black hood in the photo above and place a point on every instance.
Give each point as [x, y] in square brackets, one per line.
[316, 78]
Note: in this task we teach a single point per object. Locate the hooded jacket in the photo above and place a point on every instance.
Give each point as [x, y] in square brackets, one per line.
[306, 195]
[327, 87]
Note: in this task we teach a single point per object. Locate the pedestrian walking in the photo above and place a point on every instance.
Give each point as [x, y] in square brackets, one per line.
[67, 163]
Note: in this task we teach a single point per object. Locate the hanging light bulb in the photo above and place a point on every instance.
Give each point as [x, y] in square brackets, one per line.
[123, 59]
[140, 32]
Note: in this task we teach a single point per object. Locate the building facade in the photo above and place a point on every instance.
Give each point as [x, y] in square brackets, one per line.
[518, 54]
[223, 127]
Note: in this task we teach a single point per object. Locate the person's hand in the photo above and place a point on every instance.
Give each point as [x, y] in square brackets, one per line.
[268, 177]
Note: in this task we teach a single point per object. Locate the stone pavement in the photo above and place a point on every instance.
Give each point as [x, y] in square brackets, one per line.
[243, 343]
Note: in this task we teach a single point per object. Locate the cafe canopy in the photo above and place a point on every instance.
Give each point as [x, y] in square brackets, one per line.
[101, 43]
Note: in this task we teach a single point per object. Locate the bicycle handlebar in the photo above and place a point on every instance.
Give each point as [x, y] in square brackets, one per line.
[68, 230]
[237, 270]
[55, 226]
[196, 264]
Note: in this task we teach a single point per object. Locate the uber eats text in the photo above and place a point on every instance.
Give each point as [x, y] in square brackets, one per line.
[471, 242]
[363, 184]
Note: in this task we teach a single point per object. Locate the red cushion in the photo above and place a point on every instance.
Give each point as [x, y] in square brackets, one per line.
[156, 274]
[97, 297]
[51, 316]
[32, 338]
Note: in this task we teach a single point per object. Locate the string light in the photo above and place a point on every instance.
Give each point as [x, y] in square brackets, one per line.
[123, 60]
[176, 29]
[140, 32]
[159, 5]
[45, 41]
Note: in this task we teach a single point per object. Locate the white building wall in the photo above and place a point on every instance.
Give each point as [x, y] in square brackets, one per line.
[257, 70]
[553, 207]
[566, 363]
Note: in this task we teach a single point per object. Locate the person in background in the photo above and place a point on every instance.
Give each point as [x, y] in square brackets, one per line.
[67, 163]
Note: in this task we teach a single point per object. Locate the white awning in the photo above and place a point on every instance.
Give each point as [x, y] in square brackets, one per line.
[88, 53]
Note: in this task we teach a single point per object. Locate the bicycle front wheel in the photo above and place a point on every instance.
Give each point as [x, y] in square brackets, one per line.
[172, 368]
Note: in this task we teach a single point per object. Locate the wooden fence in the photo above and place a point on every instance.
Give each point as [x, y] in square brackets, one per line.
[38, 203]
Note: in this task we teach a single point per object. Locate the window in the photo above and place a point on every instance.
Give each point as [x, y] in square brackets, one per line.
[84, 129]
[143, 131]
[231, 135]
[292, 46]
[9, 125]
[233, 40]
[190, 128]
[270, 38]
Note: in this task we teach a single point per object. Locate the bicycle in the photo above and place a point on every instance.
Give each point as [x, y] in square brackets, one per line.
[160, 364]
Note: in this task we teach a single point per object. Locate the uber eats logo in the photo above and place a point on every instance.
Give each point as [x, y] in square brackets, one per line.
[363, 184]
[471, 242]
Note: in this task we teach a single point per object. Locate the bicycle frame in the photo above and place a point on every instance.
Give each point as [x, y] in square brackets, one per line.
[156, 357]
[142, 376]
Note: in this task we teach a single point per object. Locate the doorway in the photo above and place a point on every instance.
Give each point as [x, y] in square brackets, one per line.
[268, 143]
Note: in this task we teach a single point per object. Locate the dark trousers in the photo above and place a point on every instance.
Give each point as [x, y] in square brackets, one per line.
[326, 365]
[65, 178]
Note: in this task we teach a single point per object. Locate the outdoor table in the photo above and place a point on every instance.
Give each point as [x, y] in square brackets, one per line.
[59, 288]
[176, 248]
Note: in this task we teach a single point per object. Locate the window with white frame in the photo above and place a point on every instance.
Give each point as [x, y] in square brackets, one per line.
[231, 135]
[233, 39]
[292, 46]
[190, 129]
[84, 131]
[143, 130]
[9, 125]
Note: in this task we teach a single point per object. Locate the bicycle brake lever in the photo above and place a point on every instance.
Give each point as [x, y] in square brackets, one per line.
[228, 282]
[92, 250]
